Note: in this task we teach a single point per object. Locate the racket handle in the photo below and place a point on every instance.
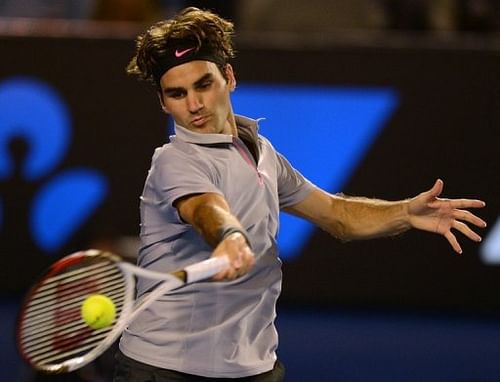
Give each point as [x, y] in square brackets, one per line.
[205, 269]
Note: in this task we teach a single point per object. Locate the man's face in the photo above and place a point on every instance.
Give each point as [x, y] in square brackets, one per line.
[197, 96]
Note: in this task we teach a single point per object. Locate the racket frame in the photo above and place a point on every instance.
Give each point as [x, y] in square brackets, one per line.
[131, 307]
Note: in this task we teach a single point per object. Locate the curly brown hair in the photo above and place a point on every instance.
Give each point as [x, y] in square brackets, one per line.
[191, 24]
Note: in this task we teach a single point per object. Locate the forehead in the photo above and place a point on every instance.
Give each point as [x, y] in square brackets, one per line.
[186, 74]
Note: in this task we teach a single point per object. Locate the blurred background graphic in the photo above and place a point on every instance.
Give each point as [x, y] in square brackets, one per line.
[374, 98]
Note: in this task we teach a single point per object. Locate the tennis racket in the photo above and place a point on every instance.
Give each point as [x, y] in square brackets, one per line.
[51, 334]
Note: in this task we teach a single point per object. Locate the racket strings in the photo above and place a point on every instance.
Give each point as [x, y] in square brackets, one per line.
[51, 328]
[64, 285]
[44, 357]
[67, 306]
[43, 326]
[43, 343]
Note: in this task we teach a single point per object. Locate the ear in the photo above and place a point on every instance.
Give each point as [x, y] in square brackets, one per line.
[160, 98]
[231, 79]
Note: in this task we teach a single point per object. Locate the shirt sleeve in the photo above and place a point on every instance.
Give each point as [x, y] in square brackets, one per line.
[175, 175]
[293, 187]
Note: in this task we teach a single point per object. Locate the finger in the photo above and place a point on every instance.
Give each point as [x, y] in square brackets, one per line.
[240, 259]
[228, 273]
[237, 261]
[453, 242]
[248, 261]
[437, 188]
[438, 203]
[249, 258]
[457, 203]
[240, 269]
[464, 229]
[220, 276]
[467, 203]
[469, 217]
[231, 274]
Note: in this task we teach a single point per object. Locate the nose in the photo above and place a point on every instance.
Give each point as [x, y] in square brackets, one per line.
[194, 102]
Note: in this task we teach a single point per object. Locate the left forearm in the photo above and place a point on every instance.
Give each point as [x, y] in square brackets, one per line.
[351, 218]
[364, 218]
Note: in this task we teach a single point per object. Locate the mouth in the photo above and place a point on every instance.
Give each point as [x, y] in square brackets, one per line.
[200, 121]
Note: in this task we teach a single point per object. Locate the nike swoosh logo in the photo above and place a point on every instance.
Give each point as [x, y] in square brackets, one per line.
[182, 52]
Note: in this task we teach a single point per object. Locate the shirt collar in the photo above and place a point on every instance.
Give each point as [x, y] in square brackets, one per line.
[189, 136]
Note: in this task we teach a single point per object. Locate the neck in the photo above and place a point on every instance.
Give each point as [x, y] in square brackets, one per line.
[231, 127]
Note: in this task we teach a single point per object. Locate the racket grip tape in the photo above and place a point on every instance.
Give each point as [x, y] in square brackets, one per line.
[206, 269]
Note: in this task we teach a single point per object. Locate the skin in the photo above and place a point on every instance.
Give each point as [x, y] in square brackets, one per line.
[198, 98]
[360, 218]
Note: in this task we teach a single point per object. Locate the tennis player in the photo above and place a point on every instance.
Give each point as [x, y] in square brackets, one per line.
[216, 189]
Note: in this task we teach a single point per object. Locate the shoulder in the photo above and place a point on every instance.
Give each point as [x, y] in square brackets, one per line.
[174, 151]
[179, 160]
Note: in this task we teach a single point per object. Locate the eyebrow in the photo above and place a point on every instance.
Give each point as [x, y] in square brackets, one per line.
[198, 82]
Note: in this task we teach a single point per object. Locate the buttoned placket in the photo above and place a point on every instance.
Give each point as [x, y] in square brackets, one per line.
[247, 157]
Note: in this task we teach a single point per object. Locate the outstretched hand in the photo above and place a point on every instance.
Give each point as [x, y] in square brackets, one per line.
[430, 213]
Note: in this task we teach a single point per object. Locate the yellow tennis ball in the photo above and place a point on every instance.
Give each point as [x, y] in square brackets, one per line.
[98, 311]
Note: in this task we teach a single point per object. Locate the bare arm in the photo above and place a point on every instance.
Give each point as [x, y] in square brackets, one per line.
[350, 218]
[210, 215]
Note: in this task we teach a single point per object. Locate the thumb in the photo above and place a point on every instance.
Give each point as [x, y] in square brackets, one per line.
[436, 189]
[434, 193]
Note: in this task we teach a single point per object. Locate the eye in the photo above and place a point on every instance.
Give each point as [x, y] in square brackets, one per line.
[205, 84]
[176, 94]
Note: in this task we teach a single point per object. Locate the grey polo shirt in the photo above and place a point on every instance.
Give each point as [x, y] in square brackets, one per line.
[213, 329]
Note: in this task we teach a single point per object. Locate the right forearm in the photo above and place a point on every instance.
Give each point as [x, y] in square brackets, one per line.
[214, 223]
[210, 216]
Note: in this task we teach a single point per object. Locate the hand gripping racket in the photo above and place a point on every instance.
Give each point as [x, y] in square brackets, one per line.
[51, 334]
